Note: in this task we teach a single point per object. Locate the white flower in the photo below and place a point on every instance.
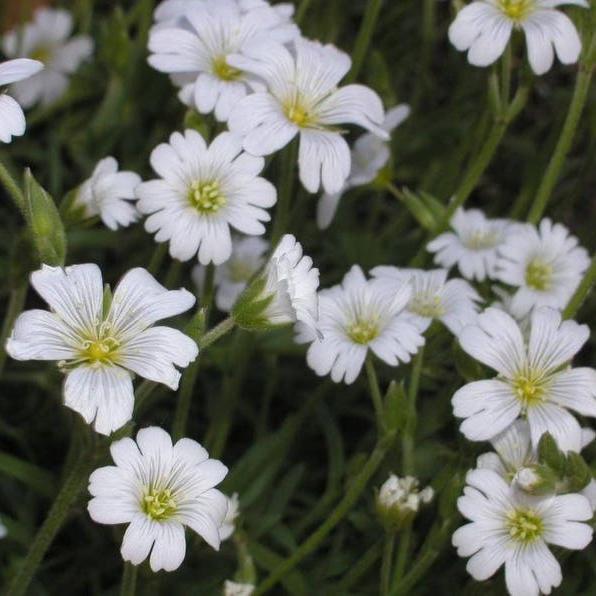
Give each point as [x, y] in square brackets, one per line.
[453, 302]
[369, 156]
[12, 119]
[47, 39]
[357, 316]
[534, 379]
[202, 191]
[509, 527]
[158, 489]
[302, 98]
[485, 26]
[3, 530]
[286, 291]
[98, 347]
[199, 48]
[108, 194]
[472, 245]
[545, 264]
[172, 12]
[231, 278]
[229, 523]
[516, 461]
[237, 589]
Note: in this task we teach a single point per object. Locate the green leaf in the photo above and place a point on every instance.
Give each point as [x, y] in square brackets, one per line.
[34, 477]
[44, 222]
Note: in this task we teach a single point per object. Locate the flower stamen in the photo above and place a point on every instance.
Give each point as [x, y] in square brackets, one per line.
[159, 504]
[427, 305]
[524, 525]
[539, 275]
[363, 331]
[206, 197]
[223, 71]
[516, 10]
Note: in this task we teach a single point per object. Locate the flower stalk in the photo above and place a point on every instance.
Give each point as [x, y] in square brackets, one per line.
[375, 394]
[563, 146]
[128, 586]
[367, 28]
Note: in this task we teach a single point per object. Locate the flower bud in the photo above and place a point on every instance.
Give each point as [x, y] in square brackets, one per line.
[399, 500]
[284, 293]
[237, 589]
[536, 480]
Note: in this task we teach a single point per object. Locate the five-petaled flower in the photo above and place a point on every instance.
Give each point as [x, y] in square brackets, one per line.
[100, 345]
[158, 489]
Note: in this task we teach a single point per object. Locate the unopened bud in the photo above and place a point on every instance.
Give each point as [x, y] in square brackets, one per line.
[237, 589]
[399, 500]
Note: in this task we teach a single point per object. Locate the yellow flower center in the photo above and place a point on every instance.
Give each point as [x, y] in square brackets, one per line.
[481, 240]
[363, 332]
[206, 197]
[524, 525]
[42, 54]
[427, 305]
[159, 505]
[102, 350]
[516, 10]
[529, 390]
[223, 71]
[539, 275]
[297, 112]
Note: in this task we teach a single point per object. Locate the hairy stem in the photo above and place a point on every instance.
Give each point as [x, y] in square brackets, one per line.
[369, 22]
[411, 416]
[128, 587]
[582, 291]
[286, 187]
[61, 507]
[563, 146]
[375, 394]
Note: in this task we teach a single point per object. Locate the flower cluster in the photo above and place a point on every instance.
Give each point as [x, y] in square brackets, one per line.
[268, 88]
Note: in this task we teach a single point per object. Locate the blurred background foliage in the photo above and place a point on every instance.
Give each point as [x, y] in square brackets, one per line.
[293, 442]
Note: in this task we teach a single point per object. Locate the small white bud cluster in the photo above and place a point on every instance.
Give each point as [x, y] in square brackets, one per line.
[399, 500]
[237, 589]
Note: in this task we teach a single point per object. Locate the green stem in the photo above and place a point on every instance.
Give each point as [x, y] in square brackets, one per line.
[12, 187]
[402, 553]
[286, 186]
[128, 586]
[483, 158]
[359, 568]
[218, 432]
[386, 562]
[411, 416]
[184, 402]
[72, 487]
[15, 306]
[563, 146]
[428, 554]
[375, 394]
[157, 258]
[369, 22]
[582, 291]
[217, 332]
[302, 10]
[355, 489]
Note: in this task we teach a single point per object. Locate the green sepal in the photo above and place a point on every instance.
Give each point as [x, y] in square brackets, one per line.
[249, 310]
[44, 222]
[578, 474]
[550, 455]
[70, 210]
